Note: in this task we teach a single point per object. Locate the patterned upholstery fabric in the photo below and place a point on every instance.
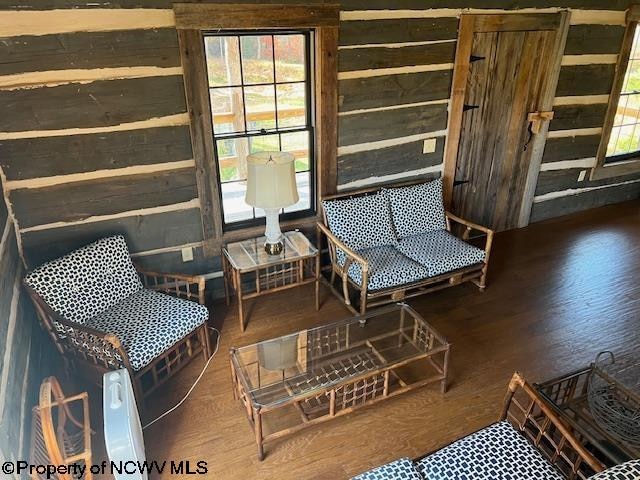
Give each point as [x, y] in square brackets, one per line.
[417, 209]
[148, 323]
[440, 252]
[87, 281]
[387, 268]
[361, 222]
[402, 469]
[497, 452]
[625, 471]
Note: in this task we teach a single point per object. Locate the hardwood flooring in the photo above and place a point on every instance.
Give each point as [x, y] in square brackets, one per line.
[559, 292]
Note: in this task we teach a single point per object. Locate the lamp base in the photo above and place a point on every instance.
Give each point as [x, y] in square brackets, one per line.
[273, 248]
[273, 244]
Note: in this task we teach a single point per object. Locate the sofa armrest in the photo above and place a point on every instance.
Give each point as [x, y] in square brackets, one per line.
[190, 287]
[470, 226]
[335, 243]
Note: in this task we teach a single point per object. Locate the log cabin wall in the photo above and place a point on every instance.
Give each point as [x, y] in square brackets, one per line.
[94, 135]
[26, 355]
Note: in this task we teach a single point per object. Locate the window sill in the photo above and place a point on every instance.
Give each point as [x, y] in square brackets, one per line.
[617, 169]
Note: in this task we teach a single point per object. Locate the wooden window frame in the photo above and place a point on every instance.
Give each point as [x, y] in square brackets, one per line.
[602, 169]
[194, 19]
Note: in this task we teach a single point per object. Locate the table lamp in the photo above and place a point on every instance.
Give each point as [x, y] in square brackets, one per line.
[271, 185]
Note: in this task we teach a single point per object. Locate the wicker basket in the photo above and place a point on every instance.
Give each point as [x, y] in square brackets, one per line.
[614, 396]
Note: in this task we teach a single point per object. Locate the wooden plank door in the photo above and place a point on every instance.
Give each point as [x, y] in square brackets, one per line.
[502, 100]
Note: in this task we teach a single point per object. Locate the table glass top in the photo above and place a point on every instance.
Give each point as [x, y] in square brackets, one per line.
[297, 365]
[250, 254]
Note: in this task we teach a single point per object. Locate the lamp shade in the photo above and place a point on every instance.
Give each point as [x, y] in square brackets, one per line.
[271, 180]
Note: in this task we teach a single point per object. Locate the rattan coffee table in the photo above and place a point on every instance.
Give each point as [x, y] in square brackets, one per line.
[298, 380]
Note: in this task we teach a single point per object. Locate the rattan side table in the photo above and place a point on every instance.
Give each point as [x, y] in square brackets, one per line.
[298, 264]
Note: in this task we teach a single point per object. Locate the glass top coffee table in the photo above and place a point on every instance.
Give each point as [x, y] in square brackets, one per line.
[314, 375]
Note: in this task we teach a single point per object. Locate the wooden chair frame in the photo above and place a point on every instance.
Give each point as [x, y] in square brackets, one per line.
[476, 274]
[52, 442]
[528, 412]
[92, 353]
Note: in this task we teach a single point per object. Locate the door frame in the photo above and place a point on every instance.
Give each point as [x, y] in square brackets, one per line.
[503, 22]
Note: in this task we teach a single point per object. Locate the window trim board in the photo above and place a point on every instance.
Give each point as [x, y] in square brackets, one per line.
[192, 20]
[602, 169]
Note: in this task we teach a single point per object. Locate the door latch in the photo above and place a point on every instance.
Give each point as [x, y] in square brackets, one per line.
[459, 182]
[537, 119]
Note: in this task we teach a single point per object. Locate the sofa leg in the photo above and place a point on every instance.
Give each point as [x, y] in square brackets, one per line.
[363, 302]
[206, 342]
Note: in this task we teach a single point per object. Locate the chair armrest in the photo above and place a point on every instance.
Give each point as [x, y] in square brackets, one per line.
[335, 242]
[180, 285]
[526, 410]
[473, 226]
[467, 223]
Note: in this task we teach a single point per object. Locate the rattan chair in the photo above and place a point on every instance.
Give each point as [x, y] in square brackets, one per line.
[104, 314]
[60, 433]
[528, 442]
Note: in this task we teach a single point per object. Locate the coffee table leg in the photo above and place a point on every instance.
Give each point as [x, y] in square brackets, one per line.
[257, 419]
[445, 372]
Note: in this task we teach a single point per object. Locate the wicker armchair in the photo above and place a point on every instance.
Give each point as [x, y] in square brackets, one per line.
[529, 442]
[397, 243]
[104, 314]
[61, 433]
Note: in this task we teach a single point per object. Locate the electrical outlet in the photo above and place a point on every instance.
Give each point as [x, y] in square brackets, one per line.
[582, 176]
[187, 254]
[429, 145]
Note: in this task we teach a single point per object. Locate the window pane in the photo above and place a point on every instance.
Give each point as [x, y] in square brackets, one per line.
[260, 104]
[264, 143]
[232, 158]
[297, 143]
[233, 204]
[303, 181]
[290, 53]
[257, 59]
[223, 61]
[291, 105]
[226, 110]
[625, 134]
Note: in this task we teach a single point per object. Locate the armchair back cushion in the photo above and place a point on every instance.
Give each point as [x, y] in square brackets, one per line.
[417, 208]
[87, 281]
[361, 222]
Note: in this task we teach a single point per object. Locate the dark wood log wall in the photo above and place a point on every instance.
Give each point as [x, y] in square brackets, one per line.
[94, 136]
[25, 353]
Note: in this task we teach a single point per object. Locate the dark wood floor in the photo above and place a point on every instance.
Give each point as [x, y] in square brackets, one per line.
[559, 292]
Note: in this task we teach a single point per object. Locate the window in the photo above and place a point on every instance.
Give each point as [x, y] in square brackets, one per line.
[624, 140]
[260, 93]
[619, 150]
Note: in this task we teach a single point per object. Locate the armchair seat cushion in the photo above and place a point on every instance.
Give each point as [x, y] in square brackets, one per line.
[387, 268]
[498, 452]
[148, 323]
[440, 252]
[402, 469]
[625, 471]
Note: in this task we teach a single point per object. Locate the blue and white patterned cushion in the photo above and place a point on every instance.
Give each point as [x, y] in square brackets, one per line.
[417, 209]
[625, 471]
[387, 268]
[402, 469]
[148, 323]
[87, 281]
[361, 222]
[440, 251]
[497, 452]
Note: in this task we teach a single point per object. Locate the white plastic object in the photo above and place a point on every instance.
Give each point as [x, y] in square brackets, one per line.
[122, 429]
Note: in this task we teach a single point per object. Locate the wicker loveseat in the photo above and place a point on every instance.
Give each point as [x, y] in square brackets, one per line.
[390, 244]
[104, 314]
[529, 442]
